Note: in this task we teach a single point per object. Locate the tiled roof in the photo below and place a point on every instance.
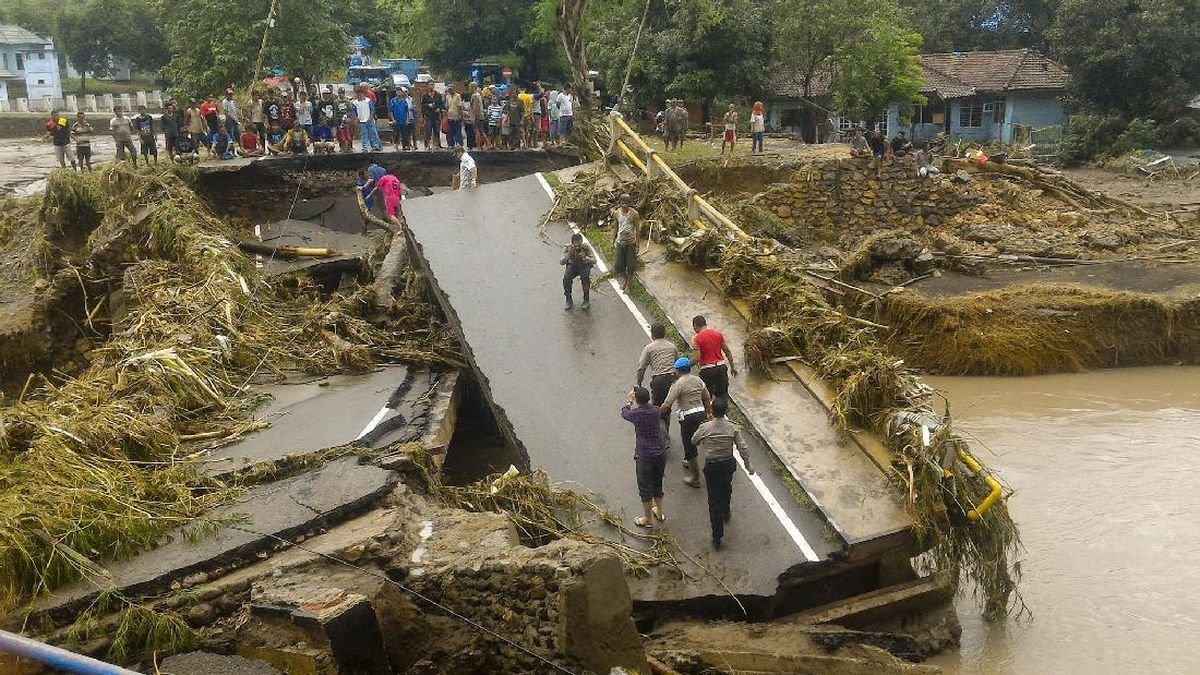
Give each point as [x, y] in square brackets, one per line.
[789, 84]
[957, 74]
[15, 35]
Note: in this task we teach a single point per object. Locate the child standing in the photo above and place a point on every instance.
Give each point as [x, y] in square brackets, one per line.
[82, 131]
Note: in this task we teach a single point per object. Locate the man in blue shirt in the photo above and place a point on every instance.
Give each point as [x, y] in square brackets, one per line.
[402, 126]
[375, 172]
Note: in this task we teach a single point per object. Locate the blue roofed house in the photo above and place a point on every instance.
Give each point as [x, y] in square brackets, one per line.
[980, 96]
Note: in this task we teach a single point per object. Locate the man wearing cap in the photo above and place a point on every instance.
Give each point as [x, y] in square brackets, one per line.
[287, 112]
[716, 361]
[659, 358]
[694, 405]
[625, 240]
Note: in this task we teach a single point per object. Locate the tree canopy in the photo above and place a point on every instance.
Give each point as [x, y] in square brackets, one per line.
[695, 49]
[860, 51]
[213, 48]
[1135, 57]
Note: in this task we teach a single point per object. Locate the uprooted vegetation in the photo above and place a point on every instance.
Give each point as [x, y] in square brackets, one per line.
[793, 318]
[94, 464]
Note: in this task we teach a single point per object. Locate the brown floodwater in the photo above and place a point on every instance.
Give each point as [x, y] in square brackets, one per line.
[1106, 468]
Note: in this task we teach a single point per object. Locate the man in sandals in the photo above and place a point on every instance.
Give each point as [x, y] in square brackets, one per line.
[649, 455]
[718, 438]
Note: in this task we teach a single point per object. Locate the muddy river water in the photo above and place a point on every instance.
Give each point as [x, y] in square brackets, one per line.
[1106, 467]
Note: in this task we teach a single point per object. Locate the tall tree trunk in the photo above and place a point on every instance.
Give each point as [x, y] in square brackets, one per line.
[569, 24]
[83, 83]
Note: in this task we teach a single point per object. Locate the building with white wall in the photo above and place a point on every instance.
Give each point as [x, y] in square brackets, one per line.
[29, 59]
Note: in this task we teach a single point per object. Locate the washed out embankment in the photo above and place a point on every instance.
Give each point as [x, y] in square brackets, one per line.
[1064, 268]
[181, 322]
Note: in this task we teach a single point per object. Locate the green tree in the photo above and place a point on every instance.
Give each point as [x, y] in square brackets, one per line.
[694, 49]
[215, 46]
[460, 31]
[1135, 57]
[967, 25]
[91, 33]
[859, 51]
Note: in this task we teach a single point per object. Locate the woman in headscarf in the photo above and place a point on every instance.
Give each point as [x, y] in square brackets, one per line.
[758, 126]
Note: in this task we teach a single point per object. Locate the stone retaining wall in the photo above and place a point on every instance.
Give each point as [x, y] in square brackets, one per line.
[862, 193]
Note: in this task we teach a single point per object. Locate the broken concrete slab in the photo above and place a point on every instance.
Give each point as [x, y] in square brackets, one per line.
[204, 663]
[548, 388]
[350, 248]
[333, 411]
[267, 514]
[849, 489]
[338, 620]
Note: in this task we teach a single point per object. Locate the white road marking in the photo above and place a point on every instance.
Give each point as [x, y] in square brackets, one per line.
[374, 422]
[755, 480]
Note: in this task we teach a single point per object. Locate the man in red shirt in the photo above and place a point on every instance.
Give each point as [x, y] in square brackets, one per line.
[715, 359]
[248, 144]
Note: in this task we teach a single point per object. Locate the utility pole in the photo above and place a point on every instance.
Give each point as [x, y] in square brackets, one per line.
[262, 51]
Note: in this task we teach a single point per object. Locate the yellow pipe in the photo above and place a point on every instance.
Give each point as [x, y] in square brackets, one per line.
[632, 156]
[679, 182]
[977, 512]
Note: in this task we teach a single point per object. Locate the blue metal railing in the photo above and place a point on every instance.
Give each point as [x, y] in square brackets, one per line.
[54, 657]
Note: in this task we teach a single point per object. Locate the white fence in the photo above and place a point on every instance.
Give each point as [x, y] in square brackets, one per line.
[91, 103]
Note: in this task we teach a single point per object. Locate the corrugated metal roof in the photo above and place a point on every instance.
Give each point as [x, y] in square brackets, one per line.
[15, 35]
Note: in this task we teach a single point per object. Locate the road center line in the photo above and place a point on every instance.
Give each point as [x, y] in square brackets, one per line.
[755, 480]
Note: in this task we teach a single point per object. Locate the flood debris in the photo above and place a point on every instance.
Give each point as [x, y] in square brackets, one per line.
[93, 460]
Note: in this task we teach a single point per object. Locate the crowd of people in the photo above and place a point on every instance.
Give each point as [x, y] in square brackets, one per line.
[300, 120]
[699, 400]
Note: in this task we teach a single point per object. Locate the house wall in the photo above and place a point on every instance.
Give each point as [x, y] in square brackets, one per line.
[41, 73]
[1033, 110]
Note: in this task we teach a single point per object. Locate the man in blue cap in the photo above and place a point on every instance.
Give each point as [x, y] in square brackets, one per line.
[694, 406]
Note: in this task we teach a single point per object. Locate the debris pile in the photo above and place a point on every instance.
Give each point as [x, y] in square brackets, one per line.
[94, 466]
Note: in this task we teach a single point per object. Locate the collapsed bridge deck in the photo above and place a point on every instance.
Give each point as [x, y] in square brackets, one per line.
[555, 380]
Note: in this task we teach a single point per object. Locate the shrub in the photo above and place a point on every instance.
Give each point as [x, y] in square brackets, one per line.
[1182, 133]
[1089, 136]
[1138, 135]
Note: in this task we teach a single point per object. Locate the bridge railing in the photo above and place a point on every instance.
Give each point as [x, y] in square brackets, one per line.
[56, 658]
[700, 212]
[703, 215]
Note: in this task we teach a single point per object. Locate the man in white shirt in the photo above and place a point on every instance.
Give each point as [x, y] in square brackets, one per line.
[566, 111]
[468, 174]
[364, 111]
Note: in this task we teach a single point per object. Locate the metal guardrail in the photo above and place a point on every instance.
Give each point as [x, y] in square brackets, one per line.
[55, 657]
[699, 210]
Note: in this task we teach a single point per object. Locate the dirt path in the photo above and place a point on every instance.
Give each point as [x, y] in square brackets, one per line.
[1155, 195]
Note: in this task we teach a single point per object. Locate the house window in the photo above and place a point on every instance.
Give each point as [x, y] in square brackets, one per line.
[41, 82]
[970, 113]
[20, 61]
[999, 112]
[41, 56]
[933, 112]
[882, 125]
[845, 123]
